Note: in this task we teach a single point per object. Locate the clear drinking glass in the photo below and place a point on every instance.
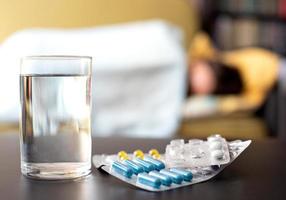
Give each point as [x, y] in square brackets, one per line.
[55, 138]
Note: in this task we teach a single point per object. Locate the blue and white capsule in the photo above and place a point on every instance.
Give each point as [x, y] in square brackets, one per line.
[122, 169]
[149, 180]
[187, 175]
[176, 178]
[165, 180]
[136, 168]
[157, 163]
[147, 166]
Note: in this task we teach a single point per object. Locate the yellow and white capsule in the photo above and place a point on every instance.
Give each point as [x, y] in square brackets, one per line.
[122, 155]
[138, 154]
[154, 153]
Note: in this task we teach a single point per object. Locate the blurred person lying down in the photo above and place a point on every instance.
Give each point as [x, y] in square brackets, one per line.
[228, 81]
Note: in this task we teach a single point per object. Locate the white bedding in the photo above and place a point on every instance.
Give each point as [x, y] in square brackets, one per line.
[138, 74]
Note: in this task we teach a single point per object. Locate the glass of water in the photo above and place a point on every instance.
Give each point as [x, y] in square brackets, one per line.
[55, 138]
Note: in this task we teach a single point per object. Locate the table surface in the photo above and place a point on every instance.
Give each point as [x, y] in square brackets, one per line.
[259, 173]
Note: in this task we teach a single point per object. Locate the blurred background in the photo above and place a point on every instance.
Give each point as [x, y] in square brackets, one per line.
[161, 68]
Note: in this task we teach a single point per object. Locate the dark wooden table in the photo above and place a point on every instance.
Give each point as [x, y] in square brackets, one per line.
[259, 173]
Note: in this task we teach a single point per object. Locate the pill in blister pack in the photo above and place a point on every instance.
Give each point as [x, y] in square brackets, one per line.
[147, 166]
[137, 169]
[149, 180]
[165, 180]
[157, 163]
[187, 176]
[176, 178]
[154, 172]
[122, 169]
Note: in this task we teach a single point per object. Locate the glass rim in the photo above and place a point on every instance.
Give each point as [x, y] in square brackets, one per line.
[55, 57]
[55, 64]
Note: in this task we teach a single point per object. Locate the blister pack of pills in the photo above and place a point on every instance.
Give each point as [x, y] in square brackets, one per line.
[152, 171]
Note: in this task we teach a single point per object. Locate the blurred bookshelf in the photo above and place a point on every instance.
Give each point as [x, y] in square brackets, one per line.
[235, 24]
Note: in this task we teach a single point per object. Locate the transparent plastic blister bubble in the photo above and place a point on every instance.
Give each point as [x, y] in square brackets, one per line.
[154, 172]
[197, 153]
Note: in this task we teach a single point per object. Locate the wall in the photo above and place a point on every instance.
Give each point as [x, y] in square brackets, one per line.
[20, 14]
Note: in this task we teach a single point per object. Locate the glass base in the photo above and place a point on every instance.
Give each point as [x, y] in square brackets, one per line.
[55, 171]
